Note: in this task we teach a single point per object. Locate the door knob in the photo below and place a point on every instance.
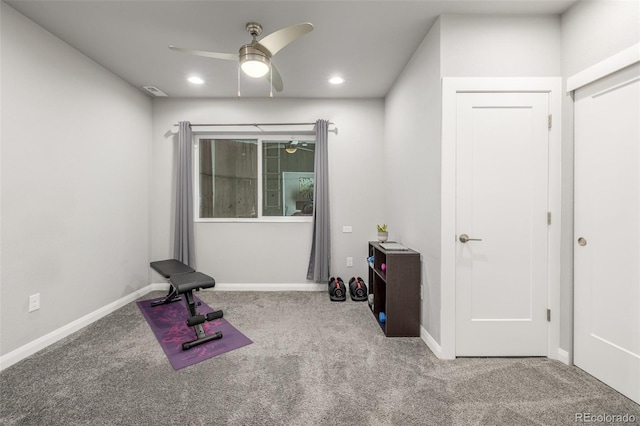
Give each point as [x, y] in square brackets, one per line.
[582, 241]
[464, 238]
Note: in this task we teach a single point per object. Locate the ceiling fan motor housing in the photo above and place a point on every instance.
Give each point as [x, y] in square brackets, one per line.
[254, 29]
[254, 49]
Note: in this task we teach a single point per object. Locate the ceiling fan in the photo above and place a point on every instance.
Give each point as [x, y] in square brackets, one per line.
[294, 145]
[255, 57]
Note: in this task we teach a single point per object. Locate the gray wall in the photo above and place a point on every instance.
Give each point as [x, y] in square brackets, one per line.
[412, 165]
[75, 169]
[591, 32]
[500, 46]
[275, 253]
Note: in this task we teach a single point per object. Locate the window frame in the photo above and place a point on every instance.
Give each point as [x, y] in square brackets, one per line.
[260, 138]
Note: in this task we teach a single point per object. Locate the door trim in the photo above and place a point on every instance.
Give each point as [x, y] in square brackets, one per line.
[451, 86]
[604, 68]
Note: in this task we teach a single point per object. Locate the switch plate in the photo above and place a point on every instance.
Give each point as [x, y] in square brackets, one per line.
[347, 229]
[34, 302]
[349, 261]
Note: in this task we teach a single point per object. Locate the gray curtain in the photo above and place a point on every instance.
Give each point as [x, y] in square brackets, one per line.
[319, 261]
[184, 245]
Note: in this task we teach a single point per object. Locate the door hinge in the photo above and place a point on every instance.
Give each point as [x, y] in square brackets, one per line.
[548, 218]
[550, 121]
[549, 315]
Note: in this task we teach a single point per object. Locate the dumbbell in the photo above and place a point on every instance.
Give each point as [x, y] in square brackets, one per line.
[337, 290]
[357, 289]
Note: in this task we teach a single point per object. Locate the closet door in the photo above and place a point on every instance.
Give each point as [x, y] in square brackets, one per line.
[502, 192]
[607, 231]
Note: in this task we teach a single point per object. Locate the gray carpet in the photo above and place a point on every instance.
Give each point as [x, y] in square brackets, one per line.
[313, 362]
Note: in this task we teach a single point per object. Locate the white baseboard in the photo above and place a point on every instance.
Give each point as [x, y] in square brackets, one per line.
[158, 287]
[431, 343]
[40, 343]
[564, 357]
[269, 287]
[259, 287]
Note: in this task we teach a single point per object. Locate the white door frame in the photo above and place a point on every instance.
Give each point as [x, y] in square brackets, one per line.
[451, 86]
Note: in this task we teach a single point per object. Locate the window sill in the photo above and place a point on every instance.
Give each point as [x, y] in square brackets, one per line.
[264, 219]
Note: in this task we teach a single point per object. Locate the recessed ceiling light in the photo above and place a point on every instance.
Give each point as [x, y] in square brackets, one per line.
[195, 80]
[336, 80]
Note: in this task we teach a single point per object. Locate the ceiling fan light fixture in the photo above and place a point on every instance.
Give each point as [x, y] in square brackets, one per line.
[291, 147]
[254, 68]
[253, 62]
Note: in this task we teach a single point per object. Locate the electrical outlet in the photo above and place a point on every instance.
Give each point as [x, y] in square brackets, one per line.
[34, 302]
[349, 261]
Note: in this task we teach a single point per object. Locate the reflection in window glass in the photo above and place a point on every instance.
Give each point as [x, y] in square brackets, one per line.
[228, 171]
[287, 177]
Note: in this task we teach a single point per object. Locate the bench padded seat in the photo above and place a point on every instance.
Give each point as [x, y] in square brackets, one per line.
[192, 281]
[171, 267]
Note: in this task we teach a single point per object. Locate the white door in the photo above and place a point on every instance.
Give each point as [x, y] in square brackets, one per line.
[501, 206]
[607, 231]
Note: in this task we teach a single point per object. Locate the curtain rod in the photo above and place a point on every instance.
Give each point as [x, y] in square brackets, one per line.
[335, 130]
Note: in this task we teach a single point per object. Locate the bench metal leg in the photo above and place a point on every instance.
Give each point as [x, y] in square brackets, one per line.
[171, 297]
[196, 320]
[215, 336]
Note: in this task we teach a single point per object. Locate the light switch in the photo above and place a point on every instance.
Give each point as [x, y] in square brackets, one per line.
[346, 229]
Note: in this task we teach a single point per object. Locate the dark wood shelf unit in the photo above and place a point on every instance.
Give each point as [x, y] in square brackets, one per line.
[396, 291]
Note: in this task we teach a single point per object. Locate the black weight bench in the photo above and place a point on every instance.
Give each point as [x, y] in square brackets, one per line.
[184, 280]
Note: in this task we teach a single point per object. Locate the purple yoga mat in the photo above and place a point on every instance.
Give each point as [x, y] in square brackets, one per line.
[168, 323]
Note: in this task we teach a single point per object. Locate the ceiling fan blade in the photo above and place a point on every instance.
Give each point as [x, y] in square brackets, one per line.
[277, 79]
[279, 39]
[214, 55]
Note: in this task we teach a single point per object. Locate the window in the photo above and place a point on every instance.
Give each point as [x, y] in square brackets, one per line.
[287, 176]
[245, 178]
[228, 178]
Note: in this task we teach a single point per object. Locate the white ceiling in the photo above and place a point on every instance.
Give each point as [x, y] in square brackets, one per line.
[367, 42]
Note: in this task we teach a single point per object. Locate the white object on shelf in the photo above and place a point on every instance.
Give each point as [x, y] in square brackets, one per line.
[393, 246]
